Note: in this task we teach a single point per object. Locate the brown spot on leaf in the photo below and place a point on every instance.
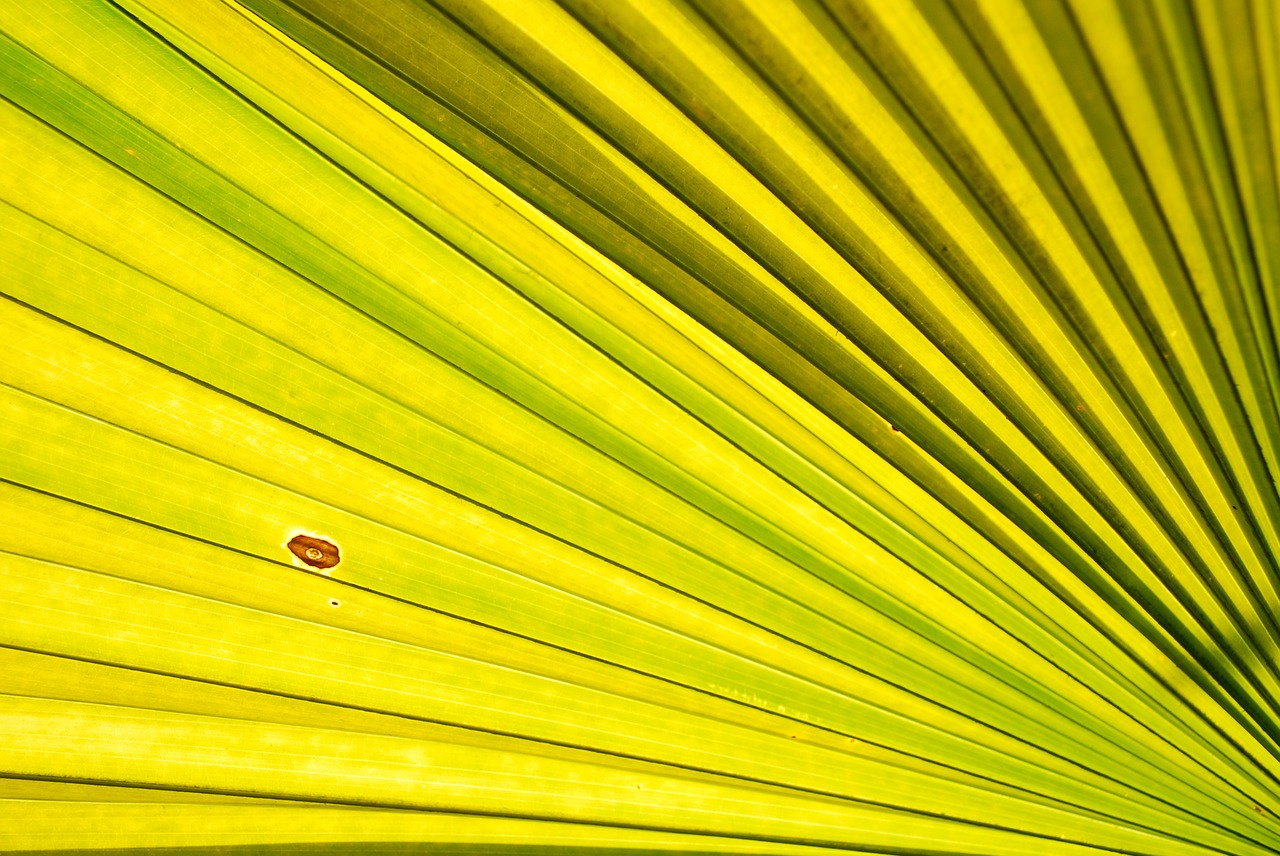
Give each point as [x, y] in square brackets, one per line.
[316, 552]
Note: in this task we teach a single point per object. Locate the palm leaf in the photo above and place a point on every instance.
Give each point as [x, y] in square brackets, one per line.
[727, 426]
